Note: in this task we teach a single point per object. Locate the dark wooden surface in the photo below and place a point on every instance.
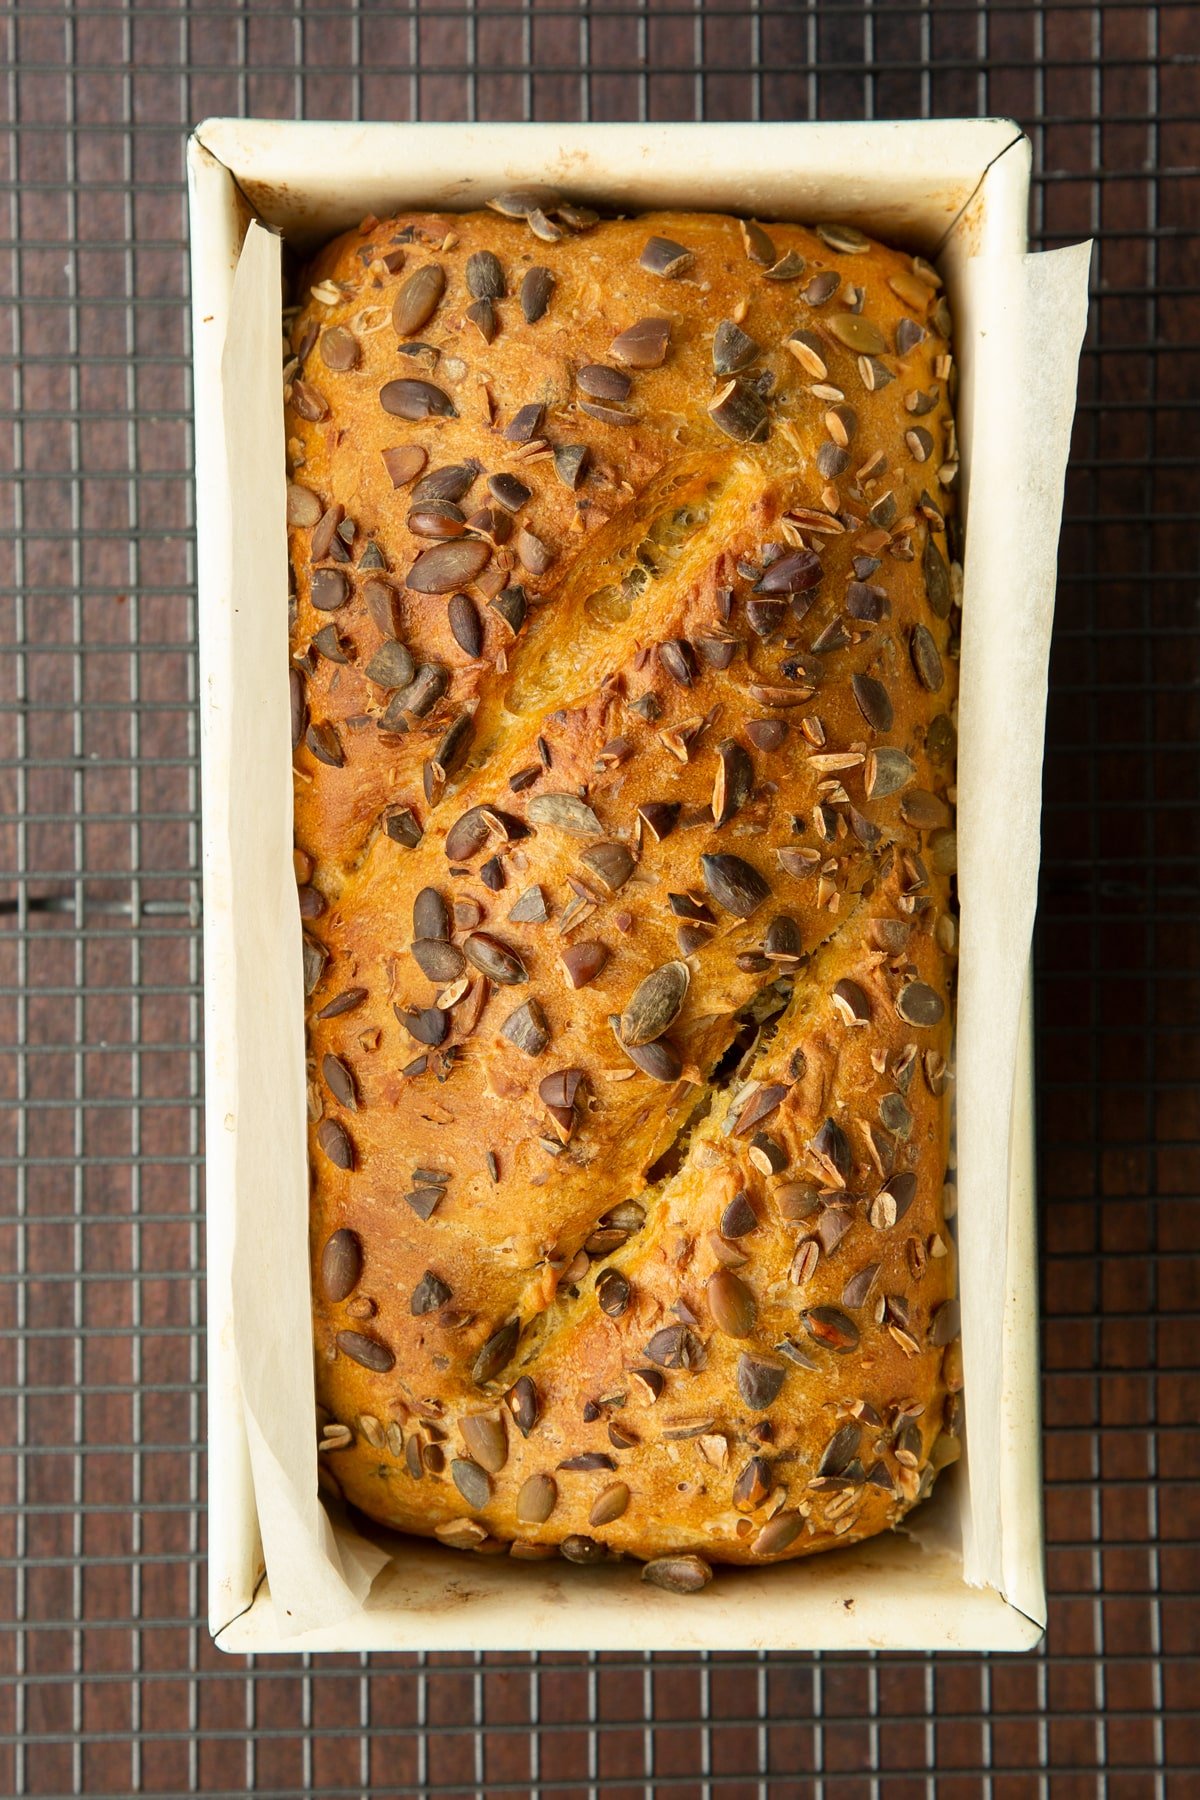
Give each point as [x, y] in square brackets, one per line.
[108, 1683]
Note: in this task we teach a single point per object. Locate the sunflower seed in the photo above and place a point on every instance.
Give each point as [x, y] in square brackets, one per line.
[600, 382]
[766, 734]
[644, 345]
[739, 411]
[805, 346]
[494, 960]
[441, 520]
[310, 404]
[340, 1082]
[732, 349]
[852, 1002]
[945, 1324]
[759, 1381]
[437, 960]
[339, 349]
[733, 782]
[925, 659]
[873, 702]
[535, 556]
[937, 580]
[510, 493]
[536, 1499]
[660, 817]
[522, 1402]
[731, 1304]
[530, 908]
[448, 566]
[675, 1347]
[826, 1325]
[757, 245]
[792, 573]
[580, 1549]
[496, 1353]
[427, 1024]
[409, 399]
[328, 589]
[734, 884]
[471, 831]
[583, 962]
[659, 1060]
[326, 746]
[612, 1293]
[512, 605]
[418, 698]
[391, 666]
[429, 1294]
[536, 289]
[403, 463]
[544, 227]
[564, 812]
[918, 1004]
[846, 239]
[607, 415]
[485, 277]
[329, 644]
[570, 463]
[527, 1029]
[518, 203]
[303, 507]
[525, 423]
[822, 287]
[662, 256]
[298, 701]
[841, 1449]
[345, 1002]
[655, 1004]
[367, 1351]
[341, 1265]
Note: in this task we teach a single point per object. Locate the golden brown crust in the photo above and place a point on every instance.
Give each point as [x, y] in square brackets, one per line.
[725, 1290]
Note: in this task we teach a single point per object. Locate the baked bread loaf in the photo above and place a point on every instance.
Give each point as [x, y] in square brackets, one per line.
[623, 664]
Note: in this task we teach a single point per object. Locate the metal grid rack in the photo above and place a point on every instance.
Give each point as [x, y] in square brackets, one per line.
[110, 1684]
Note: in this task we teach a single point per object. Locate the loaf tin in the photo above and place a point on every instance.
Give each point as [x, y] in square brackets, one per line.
[966, 1573]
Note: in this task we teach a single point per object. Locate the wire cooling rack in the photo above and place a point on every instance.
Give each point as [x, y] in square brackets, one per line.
[109, 1683]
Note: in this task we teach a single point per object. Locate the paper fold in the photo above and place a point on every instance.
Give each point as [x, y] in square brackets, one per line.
[314, 1579]
[1020, 327]
[1029, 314]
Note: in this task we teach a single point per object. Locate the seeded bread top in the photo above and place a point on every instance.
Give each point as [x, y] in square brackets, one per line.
[623, 678]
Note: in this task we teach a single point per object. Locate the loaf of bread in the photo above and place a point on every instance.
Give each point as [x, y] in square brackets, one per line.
[623, 675]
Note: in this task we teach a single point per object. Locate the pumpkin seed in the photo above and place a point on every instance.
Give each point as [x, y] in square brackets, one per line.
[564, 812]
[410, 399]
[732, 349]
[536, 289]
[368, 1352]
[778, 1534]
[341, 1265]
[494, 959]
[527, 1029]
[536, 1499]
[678, 1574]
[734, 884]
[731, 1304]
[740, 412]
[655, 1004]
[644, 345]
[759, 1382]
